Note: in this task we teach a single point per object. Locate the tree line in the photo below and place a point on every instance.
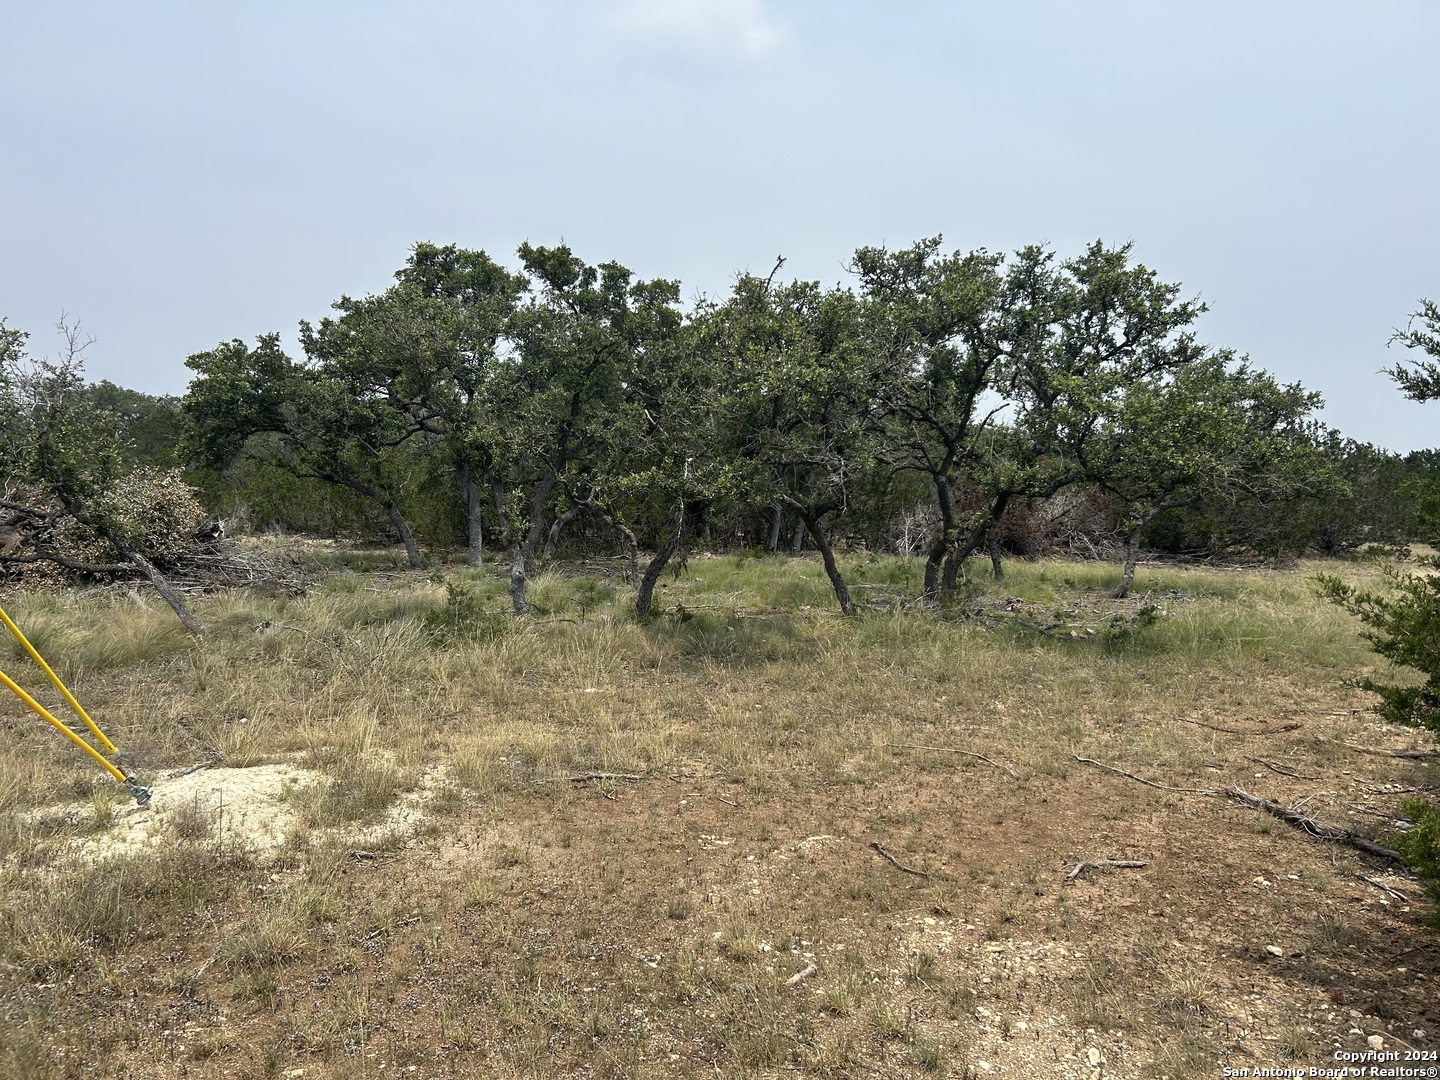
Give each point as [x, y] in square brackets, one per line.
[521, 407]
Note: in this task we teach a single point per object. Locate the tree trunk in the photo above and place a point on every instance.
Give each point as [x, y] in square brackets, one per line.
[774, 545]
[553, 537]
[169, 595]
[944, 541]
[992, 541]
[1132, 555]
[798, 540]
[645, 592]
[387, 503]
[407, 535]
[633, 548]
[827, 555]
[537, 530]
[522, 553]
[518, 602]
[475, 546]
[950, 579]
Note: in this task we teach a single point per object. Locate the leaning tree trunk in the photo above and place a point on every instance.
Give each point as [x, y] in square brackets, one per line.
[387, 503]
[146, 567]
[832, 570]
[632, 548]
[774, 545]
[645, 591]
[1132, 556]
[553, 537]
[163, 587]
[407, 535]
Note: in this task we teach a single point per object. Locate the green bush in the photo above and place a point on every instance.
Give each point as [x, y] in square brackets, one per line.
[1404, 626]
[463, 616]
[1421, 847]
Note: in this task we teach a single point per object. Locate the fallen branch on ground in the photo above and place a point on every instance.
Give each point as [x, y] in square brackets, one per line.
[583, 777]
[1395, 893]
[1141, 779]
[1288, 814]
[1320, 829]
[1414, 755]
[801, 975]
[1292, 726]
[1282, 769]
[896, 862]
[1103, 864]
[966, 753]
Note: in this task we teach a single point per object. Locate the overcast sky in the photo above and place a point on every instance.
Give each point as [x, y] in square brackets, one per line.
[177, 174]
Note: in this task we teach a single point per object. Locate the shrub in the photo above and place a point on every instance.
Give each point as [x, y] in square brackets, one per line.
[1421, 847]
[1404, 626]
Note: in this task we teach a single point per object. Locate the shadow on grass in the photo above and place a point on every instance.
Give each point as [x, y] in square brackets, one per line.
[726, 639]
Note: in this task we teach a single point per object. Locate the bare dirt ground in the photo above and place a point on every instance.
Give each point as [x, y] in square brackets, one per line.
[655, 928]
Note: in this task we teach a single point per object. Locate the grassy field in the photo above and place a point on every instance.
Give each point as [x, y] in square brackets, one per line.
[432, 841]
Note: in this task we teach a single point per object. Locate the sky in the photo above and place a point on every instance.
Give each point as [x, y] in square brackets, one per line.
[175, 174]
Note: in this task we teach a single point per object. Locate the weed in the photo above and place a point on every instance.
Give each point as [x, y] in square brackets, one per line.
[740, 942]
[888, 1019]
[920, 967]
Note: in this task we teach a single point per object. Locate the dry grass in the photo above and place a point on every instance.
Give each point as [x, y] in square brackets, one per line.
[535, 926]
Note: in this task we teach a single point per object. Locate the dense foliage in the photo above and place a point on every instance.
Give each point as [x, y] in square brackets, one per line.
[939, 404]
[944, 404]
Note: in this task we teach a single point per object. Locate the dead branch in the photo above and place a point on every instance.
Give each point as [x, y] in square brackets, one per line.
[1282, 769]
[1102, 864]
[1319, 829]
[1288, 814]
[1276, 730]
[1141, 779]
[896, 862]
[1414, 755]
[1394, 893]
[196, 768]
[585, 777]
[967, 753]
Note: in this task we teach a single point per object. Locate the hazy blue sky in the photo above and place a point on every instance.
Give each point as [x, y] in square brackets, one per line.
[175, 174]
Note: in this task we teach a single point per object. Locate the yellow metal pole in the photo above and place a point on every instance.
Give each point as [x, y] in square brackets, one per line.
[44, 714]
[105, 743]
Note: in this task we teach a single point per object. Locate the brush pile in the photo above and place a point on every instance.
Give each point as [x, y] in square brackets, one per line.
[152, 512]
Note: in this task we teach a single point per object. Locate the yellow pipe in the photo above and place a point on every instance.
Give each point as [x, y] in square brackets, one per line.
[44, 714]
[105, 743]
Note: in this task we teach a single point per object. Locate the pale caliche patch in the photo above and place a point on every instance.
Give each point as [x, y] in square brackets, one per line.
[237, 809]
[406, 815]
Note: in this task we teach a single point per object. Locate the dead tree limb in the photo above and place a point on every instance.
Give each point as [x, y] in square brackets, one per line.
[1281, 768]
[896, 862]
[1141, 779]
[1276, 730]
[1393, 893]
[1288, 814]
[1305, 823]
[967, 753]
[1414, 755]
[585, 777]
